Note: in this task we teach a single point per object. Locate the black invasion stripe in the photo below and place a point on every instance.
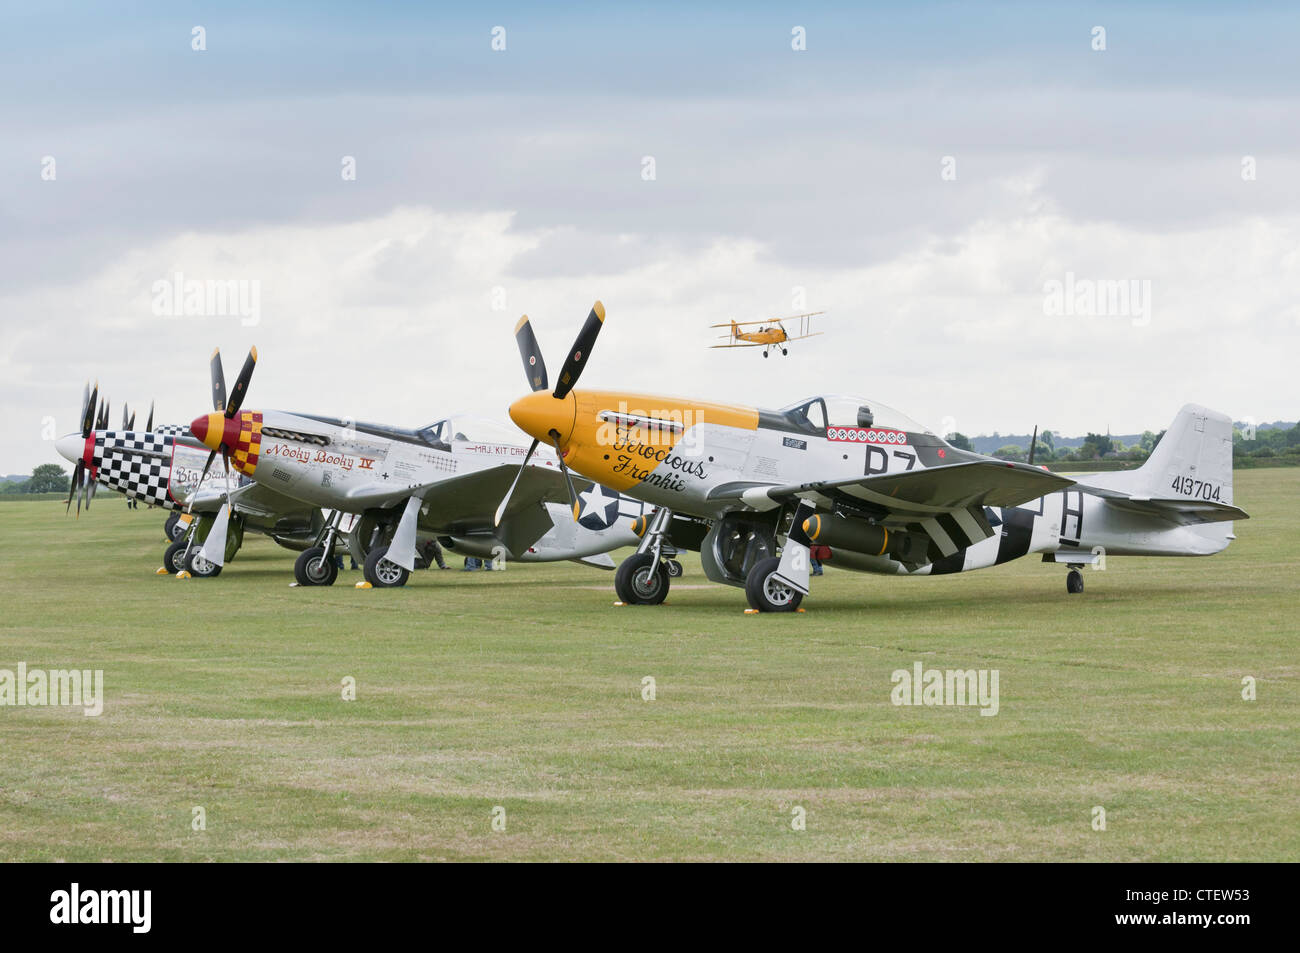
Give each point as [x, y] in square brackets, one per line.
[949, 564]
[950, 526]
[1017, 531]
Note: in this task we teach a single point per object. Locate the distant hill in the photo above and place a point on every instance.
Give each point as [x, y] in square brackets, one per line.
[1275, 425]
[986, 443]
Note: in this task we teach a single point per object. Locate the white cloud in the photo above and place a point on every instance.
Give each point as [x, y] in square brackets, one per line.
[389, 318]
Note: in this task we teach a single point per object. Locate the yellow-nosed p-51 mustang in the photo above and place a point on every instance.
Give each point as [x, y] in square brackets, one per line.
[753, 489]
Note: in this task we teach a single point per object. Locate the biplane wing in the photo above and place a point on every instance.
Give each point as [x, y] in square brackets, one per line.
[745, 324]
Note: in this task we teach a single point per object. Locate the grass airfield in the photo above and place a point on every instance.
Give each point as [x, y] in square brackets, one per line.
[523, 690]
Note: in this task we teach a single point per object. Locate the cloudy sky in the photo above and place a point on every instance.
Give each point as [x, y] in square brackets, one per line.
[924, 175]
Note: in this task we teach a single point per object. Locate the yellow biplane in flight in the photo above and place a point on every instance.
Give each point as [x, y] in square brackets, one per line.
[771, 333]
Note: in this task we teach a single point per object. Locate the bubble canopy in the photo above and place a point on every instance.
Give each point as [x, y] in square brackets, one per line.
[839, 410]
[466, 428]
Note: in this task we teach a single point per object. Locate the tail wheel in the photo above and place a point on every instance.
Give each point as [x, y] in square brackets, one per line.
[381, 573]
[174, 558]
[1074, 581]
[641, 580]
[314, 568]
[200, 567]
[767, 594]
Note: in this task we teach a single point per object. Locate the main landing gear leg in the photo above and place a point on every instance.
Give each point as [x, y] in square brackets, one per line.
[643, 578]
[316, 566]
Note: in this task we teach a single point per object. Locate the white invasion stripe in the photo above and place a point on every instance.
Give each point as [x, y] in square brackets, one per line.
[941, 539]
[970, 526]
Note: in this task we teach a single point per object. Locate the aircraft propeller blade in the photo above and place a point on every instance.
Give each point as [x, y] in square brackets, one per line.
[1032, 442]
[501, 510]
[241, 384]
[534, 366]
[218, 382]
[579, 353]
[88, 410]
[149, 424]
[204, 475]
[74, 486]
[568, 477]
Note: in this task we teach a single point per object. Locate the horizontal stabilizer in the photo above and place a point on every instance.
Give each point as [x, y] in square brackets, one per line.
[1183, 512]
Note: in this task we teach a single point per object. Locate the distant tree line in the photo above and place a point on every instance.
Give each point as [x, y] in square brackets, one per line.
[47, 478]
[1275, 442]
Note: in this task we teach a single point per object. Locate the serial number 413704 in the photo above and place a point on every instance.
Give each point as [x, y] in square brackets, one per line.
[1197, 488]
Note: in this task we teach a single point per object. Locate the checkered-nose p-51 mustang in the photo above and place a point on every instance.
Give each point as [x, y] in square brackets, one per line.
[752, 490]
[163, 467]
[440, 482]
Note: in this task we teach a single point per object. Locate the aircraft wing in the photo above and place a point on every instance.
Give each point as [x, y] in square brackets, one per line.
[935, 489]
[1181, 511]
[945, 503]
[465, 505]
[749, 344]
[262, 501]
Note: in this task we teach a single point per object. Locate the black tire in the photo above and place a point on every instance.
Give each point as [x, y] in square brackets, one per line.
[311, 568]
[766, 594]
[765, 353]
[200, 567]
[174, 557]
[1074, 581]
[173, 529]
[385, 576]
[641, 581]
[674, 569]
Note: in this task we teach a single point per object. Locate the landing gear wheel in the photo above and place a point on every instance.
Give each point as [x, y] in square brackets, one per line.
[765, 593]
[765, 353]
[312, 568]
[200, 567]
[641, 580]
[381, 573]
[784, 352]
[174, 558]
[1074, 581]
[674, 569]
[174, 529]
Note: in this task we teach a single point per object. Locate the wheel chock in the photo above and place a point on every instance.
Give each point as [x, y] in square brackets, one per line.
[364, 585]
[183, 574]
[161, 571]
[751, 612]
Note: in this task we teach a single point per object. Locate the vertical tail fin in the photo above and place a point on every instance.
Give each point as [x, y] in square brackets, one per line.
[1193, 459]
